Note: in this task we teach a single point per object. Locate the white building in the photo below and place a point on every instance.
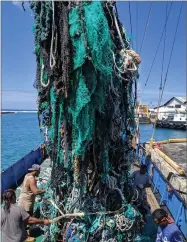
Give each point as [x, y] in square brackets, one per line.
[176, 105]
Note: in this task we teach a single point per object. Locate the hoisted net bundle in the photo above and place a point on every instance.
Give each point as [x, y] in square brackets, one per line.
[85, 100]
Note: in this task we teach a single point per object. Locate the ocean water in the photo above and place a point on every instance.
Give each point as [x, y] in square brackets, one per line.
[20, 134]
[146, 131]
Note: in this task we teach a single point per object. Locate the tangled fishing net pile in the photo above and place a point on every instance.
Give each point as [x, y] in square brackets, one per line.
[85, 81]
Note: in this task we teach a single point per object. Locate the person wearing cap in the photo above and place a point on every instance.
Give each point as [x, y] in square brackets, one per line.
[30, 189]
[167, 230]
[140, 178]
[14, 218]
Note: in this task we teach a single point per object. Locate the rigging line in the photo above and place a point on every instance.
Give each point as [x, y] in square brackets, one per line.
[165, 79]
[157, 50]
[162, 91]
[130, 23]
[146, 26]
[161, 81]
[163, 57]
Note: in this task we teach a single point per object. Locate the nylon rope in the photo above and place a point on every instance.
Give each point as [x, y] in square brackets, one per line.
[52, 58]
[118, 30]
[41, 77]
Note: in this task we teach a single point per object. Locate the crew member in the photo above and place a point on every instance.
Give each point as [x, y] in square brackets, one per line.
[140, 178]
[167, 230]
[13, 219]
[30, 189]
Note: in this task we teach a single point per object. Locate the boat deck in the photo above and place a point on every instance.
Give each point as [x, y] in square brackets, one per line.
[177, 152]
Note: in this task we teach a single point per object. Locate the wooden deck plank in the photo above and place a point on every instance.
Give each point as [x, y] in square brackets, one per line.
[151, 199]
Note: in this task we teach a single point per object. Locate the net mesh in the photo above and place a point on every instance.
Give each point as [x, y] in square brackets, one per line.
[87, 106]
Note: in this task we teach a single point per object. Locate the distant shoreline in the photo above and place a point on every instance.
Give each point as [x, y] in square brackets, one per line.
[17, 111]
[7, 112]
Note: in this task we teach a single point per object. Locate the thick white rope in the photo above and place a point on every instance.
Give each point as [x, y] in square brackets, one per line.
[123, 223]
[117, 27]
[41, 77]
[55, 206]
[121, 71]
[124, 65]
[52, 58]
[46, 134]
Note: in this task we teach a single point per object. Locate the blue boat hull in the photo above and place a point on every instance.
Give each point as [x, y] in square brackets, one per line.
[169, 197]
[13, 176]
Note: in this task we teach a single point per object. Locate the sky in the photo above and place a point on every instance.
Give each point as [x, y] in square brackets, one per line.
[19, 63]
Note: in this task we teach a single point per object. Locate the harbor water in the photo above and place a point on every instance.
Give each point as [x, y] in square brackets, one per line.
[20, 134]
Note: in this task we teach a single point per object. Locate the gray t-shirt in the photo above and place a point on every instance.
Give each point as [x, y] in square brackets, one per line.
[12, 224]
[140, 180]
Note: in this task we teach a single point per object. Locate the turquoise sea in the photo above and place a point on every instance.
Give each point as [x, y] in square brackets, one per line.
[20, 134]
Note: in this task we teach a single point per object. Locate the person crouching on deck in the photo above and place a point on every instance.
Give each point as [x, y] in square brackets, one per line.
[30, 190]
[140, 178]
[14, 218]
[167, 230]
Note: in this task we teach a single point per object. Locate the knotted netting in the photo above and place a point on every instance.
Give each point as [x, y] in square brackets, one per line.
[86, 100]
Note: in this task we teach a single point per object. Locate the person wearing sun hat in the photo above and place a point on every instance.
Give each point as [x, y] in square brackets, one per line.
[30, 189]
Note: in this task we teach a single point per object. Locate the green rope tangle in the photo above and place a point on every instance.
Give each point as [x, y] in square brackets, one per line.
[85, 76]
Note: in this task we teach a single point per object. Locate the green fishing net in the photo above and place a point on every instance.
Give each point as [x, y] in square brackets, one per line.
[87, 107]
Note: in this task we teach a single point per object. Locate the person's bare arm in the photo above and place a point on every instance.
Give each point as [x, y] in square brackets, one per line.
[32, 220]
[33, 186]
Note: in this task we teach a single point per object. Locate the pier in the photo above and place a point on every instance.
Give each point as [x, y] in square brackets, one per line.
[171, 124]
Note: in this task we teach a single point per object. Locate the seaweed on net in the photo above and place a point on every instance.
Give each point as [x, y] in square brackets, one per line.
[88, 109]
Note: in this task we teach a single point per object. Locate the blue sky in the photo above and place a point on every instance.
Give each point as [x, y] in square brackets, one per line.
[19, 66]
